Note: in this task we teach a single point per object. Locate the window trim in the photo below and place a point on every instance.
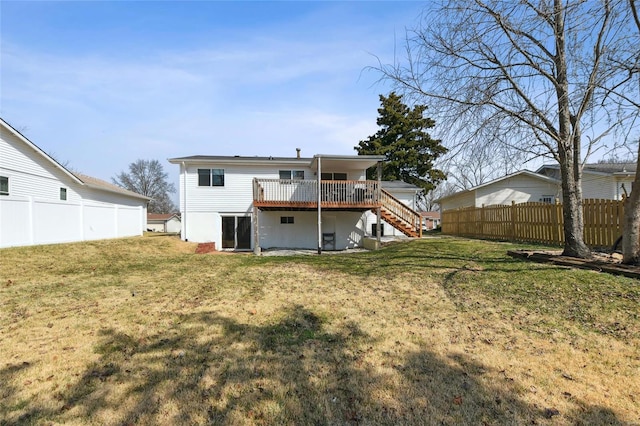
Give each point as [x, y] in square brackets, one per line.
[333, 175]
[292, 174]
[6, 182]
[219, 175]
[214, 177]
[287, 220]
[63, 194]
[202, 174]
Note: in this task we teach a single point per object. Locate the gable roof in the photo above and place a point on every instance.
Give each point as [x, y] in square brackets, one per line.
[527, 173]
[235, 159]
[399, 185]
[102, 185]
[612, 168]
[79, 178]
[609, 169]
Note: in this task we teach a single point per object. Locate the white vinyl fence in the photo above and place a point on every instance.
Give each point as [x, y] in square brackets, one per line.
[29, 221]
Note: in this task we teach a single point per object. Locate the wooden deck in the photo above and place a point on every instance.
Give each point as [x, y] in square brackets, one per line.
[337, 195]
[273, 194]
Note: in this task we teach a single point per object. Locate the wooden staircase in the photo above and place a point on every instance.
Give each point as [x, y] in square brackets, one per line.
[399, 215]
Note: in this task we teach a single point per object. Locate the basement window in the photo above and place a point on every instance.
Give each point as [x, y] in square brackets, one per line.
[373, 230]
[286, 219]
[4, 185]
[63, 194]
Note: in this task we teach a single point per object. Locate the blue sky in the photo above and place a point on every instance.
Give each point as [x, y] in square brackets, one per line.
[102, 84]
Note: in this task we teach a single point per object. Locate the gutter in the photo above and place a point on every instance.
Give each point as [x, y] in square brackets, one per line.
[184, 201]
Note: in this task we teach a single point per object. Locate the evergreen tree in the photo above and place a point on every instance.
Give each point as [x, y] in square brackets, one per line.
[408, 149]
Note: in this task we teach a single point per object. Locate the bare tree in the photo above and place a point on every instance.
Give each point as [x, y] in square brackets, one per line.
[428, 201]
[631, 224]
[554, 77]
[147, 177]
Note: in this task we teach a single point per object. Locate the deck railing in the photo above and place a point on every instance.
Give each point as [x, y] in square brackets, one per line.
[305, 192]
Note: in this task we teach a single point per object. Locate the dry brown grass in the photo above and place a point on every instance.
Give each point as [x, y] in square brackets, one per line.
[144, 331]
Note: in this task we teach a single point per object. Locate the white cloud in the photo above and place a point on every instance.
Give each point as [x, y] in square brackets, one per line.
[255, 95]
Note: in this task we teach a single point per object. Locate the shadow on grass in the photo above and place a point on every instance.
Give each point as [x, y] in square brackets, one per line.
[210, 369]
[8, 389]
[417, 256]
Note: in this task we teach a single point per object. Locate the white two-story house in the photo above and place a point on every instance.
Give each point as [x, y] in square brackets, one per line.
[323, 202]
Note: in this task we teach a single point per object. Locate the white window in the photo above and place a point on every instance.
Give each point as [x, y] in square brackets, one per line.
[63, 194]
[548, 199]
[4, 185]
[210, 177]
[292, 174]
[333, 176]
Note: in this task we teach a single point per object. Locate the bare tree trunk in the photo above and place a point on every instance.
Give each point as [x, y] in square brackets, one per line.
[574, 245]
[631, 224]
[568, 148]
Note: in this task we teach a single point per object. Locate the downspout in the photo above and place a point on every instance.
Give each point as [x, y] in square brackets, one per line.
[378, 210]
[319, 207]
[256, 220]
[184, 201]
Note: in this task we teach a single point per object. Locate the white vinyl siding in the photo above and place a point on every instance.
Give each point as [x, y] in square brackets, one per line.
[303, 232]
[598, 186]
[466, 199]
[206, 205]
[517, 189]
[33, 212]
[29, 178]
[236, 194]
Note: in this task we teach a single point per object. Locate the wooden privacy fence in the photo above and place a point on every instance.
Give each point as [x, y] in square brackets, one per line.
[536, 222]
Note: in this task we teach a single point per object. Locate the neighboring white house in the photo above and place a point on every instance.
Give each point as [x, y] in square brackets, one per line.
[604, 181]
[285, 202]
[159, 222]
[41, 202]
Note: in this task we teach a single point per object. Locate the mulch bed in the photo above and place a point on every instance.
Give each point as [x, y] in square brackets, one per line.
[601, 262]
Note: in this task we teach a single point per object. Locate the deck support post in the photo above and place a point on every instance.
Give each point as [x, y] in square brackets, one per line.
[319, 206]
[379, 200]
[256, 231]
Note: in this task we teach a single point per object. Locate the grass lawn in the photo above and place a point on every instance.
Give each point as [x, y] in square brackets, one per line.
[438, 331]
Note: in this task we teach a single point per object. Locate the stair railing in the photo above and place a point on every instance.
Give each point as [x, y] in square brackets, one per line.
[400, 210]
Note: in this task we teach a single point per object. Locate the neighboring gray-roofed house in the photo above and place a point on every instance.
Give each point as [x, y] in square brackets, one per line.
[599, 181]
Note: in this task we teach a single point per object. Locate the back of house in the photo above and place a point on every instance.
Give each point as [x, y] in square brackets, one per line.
[322, 202]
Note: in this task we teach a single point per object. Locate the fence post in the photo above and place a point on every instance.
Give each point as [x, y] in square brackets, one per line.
[554, 222]
[513, 221]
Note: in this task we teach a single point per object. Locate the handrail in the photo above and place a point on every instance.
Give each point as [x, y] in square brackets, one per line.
[402, 211]
[300, 191]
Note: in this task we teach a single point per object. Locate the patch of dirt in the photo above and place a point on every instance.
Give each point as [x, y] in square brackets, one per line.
[602, 262]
